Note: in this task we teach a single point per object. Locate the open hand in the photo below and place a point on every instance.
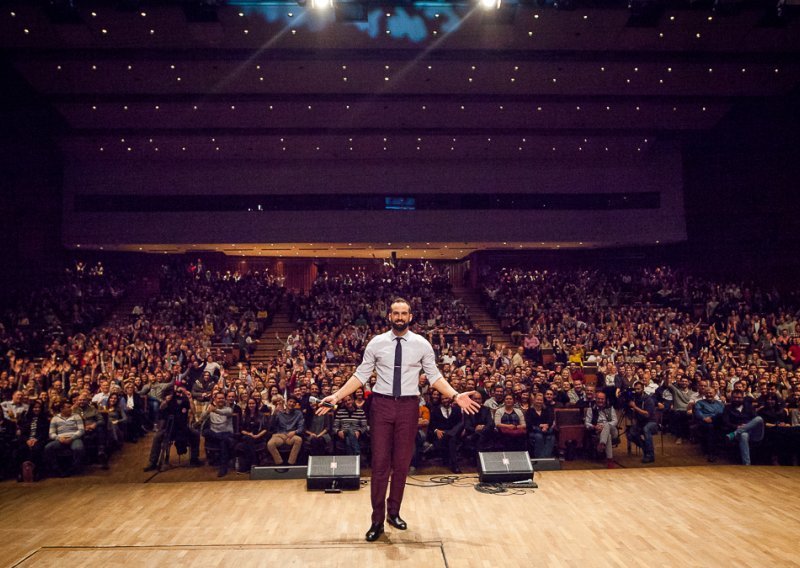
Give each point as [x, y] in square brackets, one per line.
[465, 402]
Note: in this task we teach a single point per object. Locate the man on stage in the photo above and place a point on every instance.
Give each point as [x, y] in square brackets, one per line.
[398, 356]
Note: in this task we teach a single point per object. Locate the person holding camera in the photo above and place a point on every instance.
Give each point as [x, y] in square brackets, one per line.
[642, 409]
[177, 405]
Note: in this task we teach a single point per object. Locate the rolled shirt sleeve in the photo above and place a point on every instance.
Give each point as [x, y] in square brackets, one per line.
[367, 366]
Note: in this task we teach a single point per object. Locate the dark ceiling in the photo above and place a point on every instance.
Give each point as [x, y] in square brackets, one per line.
[266, 81]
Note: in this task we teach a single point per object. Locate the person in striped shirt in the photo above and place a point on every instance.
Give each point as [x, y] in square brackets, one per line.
[66, 433]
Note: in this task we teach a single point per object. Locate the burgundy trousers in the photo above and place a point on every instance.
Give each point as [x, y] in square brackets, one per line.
[393, 430]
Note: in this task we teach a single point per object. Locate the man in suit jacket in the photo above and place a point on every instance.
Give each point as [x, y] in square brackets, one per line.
[445, 429]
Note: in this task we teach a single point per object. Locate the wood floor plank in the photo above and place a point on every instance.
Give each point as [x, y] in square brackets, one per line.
[691, 516]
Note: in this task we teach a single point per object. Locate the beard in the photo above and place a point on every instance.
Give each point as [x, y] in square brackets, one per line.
[399, 326]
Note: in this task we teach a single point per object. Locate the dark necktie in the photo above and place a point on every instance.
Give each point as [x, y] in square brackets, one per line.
[398, 362]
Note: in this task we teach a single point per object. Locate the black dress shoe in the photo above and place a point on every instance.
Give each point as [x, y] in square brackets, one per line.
[374, 532]
[455, 469]
[396, 522]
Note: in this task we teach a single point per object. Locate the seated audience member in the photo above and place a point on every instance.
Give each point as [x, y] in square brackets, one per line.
[116, 420]
[66, 431]
[350, 425]
[741, 423]
[201, 389]
[319, 441]
[220, 429]
[444, 431]
[252, 436]
[509, 422]
[683, 399]
[34, 427]
[423, 421]
[479, 428]
[101, 397]
[776, 427]
[132, 403]
[643, 422]
[708, 415]
[577, 395]
[601, 422]
[177, 412]
[497, 399]
[95, 437]
[15, 407]
[155, 390]
[8, 443]
[541, 421]
[287, 429]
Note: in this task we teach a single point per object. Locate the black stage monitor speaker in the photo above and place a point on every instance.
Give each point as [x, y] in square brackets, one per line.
[504, 467]
[546, 464]
[333, 473]
[278, 472]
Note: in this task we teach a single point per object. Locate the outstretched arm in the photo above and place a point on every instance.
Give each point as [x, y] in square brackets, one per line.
[351, 386]
[463, 400]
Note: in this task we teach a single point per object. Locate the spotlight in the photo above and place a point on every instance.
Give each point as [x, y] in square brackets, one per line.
[489, 4]
[321, 4]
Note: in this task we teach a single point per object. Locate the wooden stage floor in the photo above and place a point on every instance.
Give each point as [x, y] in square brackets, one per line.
[683, 516]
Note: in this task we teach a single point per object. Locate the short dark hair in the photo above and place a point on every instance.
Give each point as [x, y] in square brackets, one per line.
[400, 300]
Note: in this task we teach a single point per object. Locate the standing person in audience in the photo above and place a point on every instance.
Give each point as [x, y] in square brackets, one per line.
[398, 356]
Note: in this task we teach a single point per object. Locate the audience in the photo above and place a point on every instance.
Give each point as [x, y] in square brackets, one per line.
[663, 347]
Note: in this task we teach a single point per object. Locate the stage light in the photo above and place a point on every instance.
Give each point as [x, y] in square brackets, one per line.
[490, 4]
[321, 4]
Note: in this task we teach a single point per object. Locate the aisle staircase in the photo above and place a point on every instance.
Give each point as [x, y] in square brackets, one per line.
[138, 293]
[271, 341]
[481, 317]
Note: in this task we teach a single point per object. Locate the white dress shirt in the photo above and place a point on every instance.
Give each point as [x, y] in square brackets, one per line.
[418, 356]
